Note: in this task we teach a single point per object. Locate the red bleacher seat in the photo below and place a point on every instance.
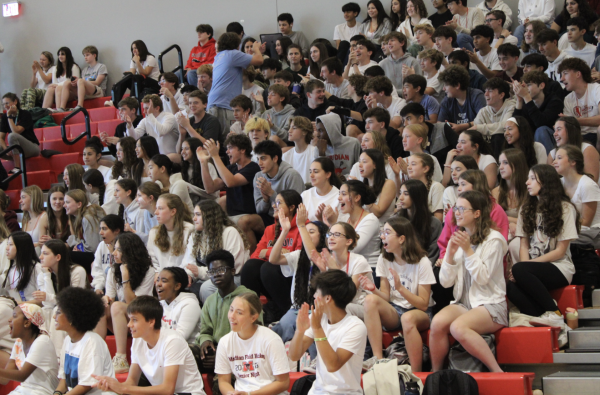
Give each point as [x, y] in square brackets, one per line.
[14, 196]
[57, 145]
[76, 129]
[95, 103]
[207, 379]
[102, 114]
[54, 133]
[8, 388]
[109, 126]
[78, 118]
[39, 133]
[570, 296]
[112, 346]
[43, 179]
[59, 162]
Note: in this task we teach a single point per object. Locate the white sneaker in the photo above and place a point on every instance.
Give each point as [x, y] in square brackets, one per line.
[312, 368]
[549, 318]
[368, 364]
[108, 103]
[120, 364]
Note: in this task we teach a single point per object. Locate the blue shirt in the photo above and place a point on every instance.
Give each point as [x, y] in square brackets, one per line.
[430, 105]
[455, 113]
[227, 77]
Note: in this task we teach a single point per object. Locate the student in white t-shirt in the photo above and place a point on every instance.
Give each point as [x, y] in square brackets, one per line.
[547, 224]
[371, 165]
[252, 353]
[171, 97]
[379, 94]
[340, 338]
[325, 188]
[403, 300]
[486, 57]
[345, 31]
[302, 154]
[21, 276]
[583, 191]
[84, 354]
[42, 77]
[33, 360]
[161, 354]
[66, 69]
[92, 154]
[576, 28]
[130, 276]
[472, 143]
[144, 63]
[420, 167]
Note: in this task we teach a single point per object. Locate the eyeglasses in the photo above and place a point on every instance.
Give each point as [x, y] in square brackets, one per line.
[218, 271]
[386, 233]
[490, 20]
[336, 234]
[460, 210]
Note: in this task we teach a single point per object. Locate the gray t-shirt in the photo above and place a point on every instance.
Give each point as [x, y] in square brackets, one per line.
[91, 74]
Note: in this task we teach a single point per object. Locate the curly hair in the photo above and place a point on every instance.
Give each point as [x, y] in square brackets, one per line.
[525, 142]
[135, 255]
[75, 171]
[517, 162]
[53, 222]
[479, 202]
[215, 220]
[92, 213]
[538, 27]
[379, 175]
[25, 260]
[548, 203]
[420, 216]
[455, 76]
[36, 205]
[194, 163]
[182, 215]
[126, 167]
[82, 307]
[303, 291]
[412, 251]
[426, 161]
[228, 41]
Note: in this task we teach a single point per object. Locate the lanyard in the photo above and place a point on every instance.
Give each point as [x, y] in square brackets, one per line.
[348, 263]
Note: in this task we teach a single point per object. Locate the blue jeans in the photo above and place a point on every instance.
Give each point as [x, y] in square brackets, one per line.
[545, 136]
[465, 41]
[192, 77]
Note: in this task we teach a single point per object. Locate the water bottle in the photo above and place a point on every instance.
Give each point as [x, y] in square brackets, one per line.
[412, 388]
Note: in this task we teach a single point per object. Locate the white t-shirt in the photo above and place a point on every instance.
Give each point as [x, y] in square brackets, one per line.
[178, 97]
[13, 280]
[91, 74]
[355, 172]
[150, 61]
[435, 197]
[362, 68]
[540, 153]
[344, 33]
[78, 361]
[510, 39]
[57, 79]
[369, 243]
[485, 161]
[587, 54]
[254, 362]
[435, 83]
[411, 276]
[540, 243]
[146, 287]
[587, 191]
[349, 334]
[42, 355]
[301, 161]
[40, 82]
[254, 90]
[490, 60]
[170, 350]
[312, 200]
[395, 107]
[586, 107]
[450, 196]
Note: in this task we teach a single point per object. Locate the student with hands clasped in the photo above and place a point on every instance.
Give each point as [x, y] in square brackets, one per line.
[340, 337]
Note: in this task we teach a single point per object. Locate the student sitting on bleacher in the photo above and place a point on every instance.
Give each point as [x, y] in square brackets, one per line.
[340, 337]
[58, 222]
[214, 323]
[111, 226]
[124, 166]
[35, 220]
[128, 109]
[242, 106]
[24, 268]
[66, 69]
[96, 189]
[279, 115]
[85, 222]
[73, 177]
[203, 53]
[194, 171]
[33, 360]
[200, 123]
[92, 153]
[129, 209]
[161, 171]
[473, 265]
[205, 78]
[42, 77]
[160, 354]
[143, 77]
[18, 124]
[147, 196]
[171, 96]
[344, 151]
[145, 149]
[251, 89]
[91, 85]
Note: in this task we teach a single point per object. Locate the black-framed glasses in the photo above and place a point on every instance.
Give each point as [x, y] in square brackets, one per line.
[336, 234]
[218, 271]
[460, 210]
[490, 20]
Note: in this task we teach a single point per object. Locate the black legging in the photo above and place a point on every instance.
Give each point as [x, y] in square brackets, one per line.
[138, 85]
[266, 279]
[442, 296]
[531, 290]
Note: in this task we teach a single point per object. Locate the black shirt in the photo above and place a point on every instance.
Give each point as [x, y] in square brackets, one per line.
[311, 114]
[240, 200]
[438, 20]
[303, 71]
[24, 119]
[394, 141]
[209, 127]
[121, 131]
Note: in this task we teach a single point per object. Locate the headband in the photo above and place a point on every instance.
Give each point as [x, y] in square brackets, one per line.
[513, 120]
[34, 314]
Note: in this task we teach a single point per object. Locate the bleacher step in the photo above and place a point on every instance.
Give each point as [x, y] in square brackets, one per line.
[568, 383]
[577, 358]
[586, 338]
[596, 298]
[589, 314]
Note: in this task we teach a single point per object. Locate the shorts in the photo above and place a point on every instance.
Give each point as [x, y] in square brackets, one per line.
[98, 93]
[498, 312]
[401, 310]
[236, 218]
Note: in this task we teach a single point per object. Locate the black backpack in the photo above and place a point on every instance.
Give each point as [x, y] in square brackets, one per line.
[450, 382]
[587, 270]
[303, 385]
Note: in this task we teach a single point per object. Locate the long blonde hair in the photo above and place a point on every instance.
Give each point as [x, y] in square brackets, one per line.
[92, 213]
[182, 215]
[37, 202]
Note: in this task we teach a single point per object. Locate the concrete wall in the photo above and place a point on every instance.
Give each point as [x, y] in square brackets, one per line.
[111, 25]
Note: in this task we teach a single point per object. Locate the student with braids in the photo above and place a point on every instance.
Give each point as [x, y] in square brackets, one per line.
[145, 149]
[129, 208]
[511, 193]
[213, 231]
[412, 205]
[420, 166]
[547, 224]
[94, 186]
[24, 268]
[583, 191]
[167, 241]
[147, 196]
[111, 226]
[33, 360]
[160, 170]
[181, 311]
[130, 276]
[298, 265]
[58, 220]
[257, 267]
[403, 300]
[473, 265]
[92, 153]
[126, 159]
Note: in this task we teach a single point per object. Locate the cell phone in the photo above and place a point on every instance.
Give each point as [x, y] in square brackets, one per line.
[297, 88]
[448, 123]
[73, 78]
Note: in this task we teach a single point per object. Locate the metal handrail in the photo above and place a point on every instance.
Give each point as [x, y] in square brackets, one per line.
[88, 129]
[176, 69]
[23, 170]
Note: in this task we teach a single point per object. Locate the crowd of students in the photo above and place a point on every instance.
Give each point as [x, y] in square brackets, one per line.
[416, 175]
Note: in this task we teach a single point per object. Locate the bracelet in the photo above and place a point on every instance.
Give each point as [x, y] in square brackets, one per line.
[320, 339]
[124, 282]
[58, 392]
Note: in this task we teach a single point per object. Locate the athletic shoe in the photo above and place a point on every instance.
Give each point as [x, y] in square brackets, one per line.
[312, 368]
[75, 108]
[57, 110]
[120, 364]
[108, 103]
[549, 318]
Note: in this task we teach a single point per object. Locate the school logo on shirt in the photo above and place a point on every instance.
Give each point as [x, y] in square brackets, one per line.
[247, 365]
[582, 111]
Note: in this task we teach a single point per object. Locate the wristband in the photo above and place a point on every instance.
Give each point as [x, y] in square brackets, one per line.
[124, 282]
[320, 339]
[501, 37]
[58, 392]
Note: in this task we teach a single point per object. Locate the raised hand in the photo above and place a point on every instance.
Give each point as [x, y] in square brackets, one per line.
[284, 222]
[330, 215]
[316, 258]
[212, 148]
[202, 155]
[317, 313]
[366, 284]
[301, 214]
[303, 320]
